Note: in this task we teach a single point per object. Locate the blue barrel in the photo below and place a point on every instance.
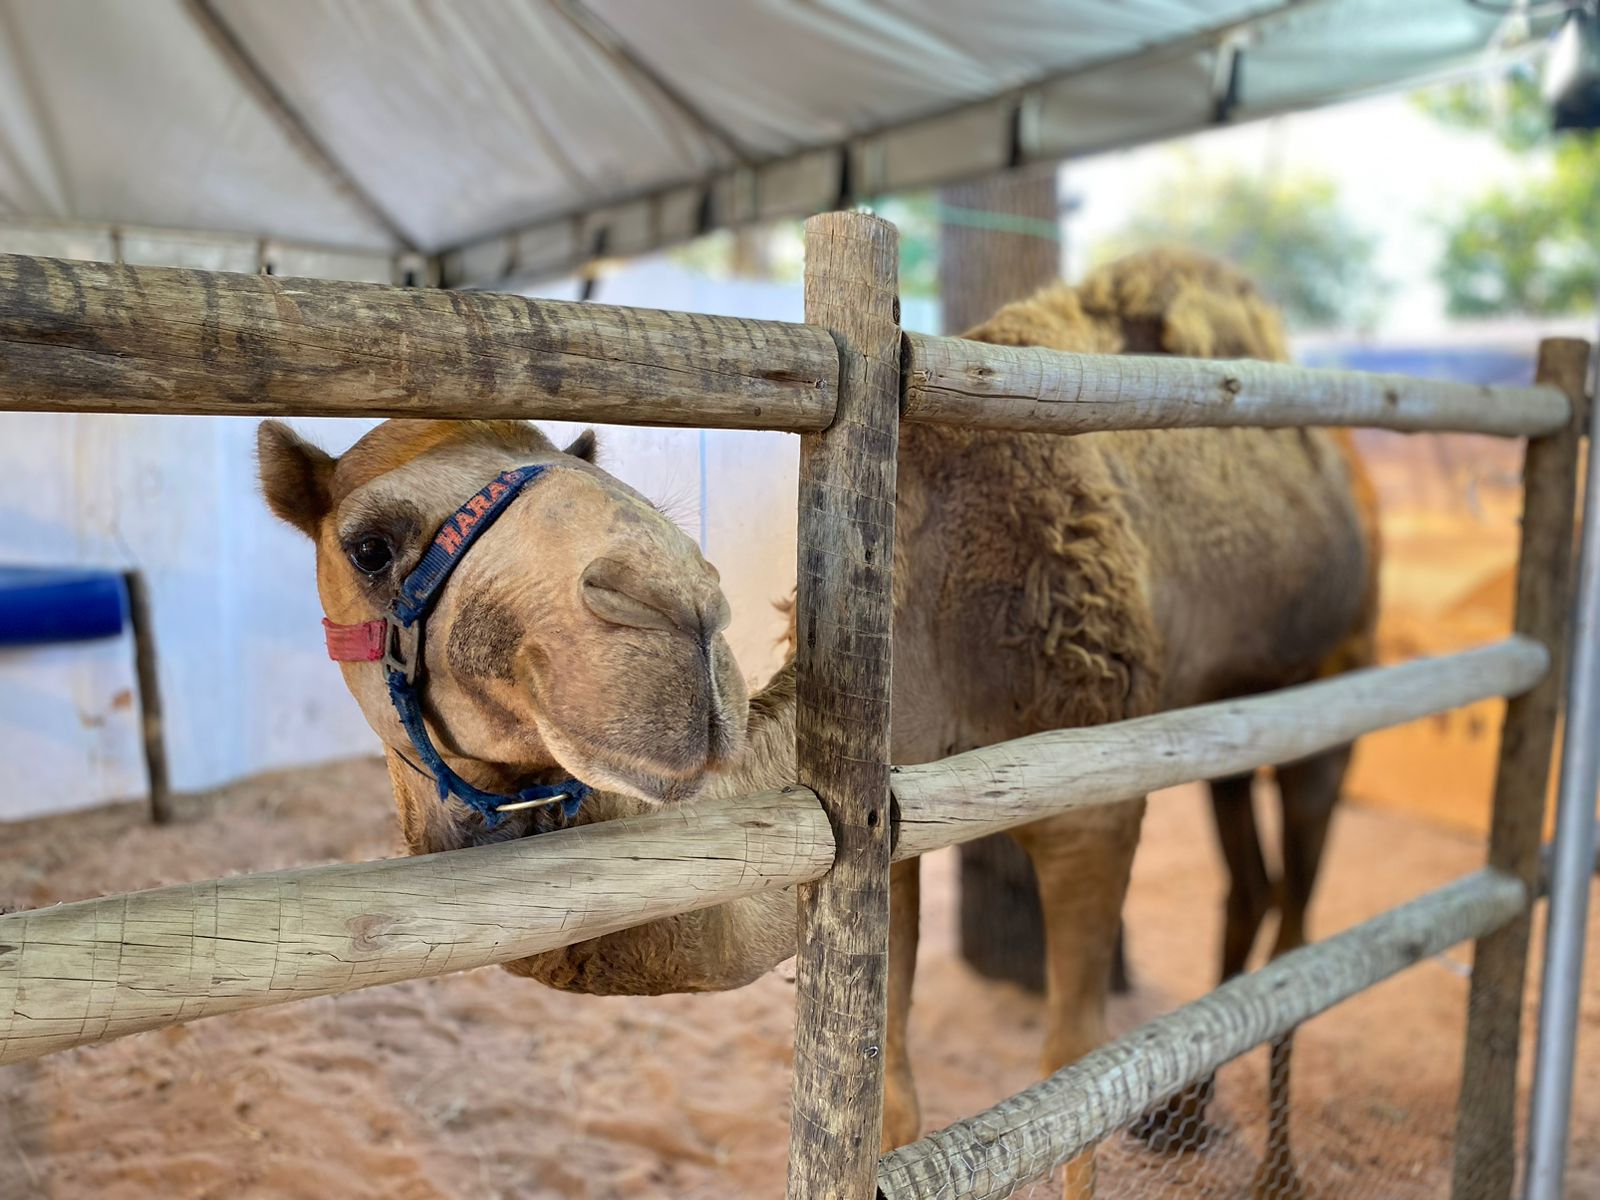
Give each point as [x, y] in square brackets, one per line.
[39, 605]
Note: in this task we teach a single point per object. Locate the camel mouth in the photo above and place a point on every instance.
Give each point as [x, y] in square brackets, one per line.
[669, 764]
[658, 793]
[654, 786]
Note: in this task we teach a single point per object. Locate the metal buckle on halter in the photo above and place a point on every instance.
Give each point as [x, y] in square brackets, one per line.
[402, 647]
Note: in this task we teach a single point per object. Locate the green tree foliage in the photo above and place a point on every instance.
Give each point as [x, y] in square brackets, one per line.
[1508, 107]
[1534, 246]
[1288, 232]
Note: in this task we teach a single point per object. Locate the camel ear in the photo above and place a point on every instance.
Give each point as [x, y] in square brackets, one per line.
[584, 446]
[295, 476]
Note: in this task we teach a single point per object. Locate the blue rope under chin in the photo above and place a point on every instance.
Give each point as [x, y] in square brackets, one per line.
[408, 706]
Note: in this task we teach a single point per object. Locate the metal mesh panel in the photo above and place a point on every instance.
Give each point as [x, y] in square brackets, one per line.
[1354, 1130]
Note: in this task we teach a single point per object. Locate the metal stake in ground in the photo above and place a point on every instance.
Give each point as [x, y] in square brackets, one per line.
[1550, 1109]
[1485, 1152]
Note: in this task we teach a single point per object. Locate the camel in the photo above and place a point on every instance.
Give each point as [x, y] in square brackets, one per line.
[1040, 582]
[581, 637]
[1045, 581]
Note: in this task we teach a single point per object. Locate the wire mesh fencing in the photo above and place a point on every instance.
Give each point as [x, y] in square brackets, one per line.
[1358, 1114]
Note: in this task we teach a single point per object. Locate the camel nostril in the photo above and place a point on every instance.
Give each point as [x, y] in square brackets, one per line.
[620, 596]
[717, 614]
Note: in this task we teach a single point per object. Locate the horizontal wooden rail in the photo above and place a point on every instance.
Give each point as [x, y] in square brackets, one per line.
[998, 787]
[98, 969]
[956, 382]
[101, 968]
[90, 337]
[1029, 1135]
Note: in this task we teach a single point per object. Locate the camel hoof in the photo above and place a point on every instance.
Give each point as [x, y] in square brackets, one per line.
[1178, 1126]
[1277, 1180]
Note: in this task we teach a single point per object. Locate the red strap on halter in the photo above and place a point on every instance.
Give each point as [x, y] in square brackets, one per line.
[354, 643]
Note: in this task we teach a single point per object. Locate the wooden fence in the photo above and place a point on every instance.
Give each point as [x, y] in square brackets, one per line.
[93, 338]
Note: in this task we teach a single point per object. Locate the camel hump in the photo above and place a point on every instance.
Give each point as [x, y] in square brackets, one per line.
[1190, 521]
[1166, 300]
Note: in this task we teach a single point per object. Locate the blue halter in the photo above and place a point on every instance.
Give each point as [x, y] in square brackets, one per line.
[402, 652]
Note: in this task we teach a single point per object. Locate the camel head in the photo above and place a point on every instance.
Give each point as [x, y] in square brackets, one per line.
[580, 636]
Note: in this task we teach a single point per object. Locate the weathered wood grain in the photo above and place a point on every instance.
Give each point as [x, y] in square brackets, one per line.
[847, 495]
[1025, 1137]
[91, 337]
[1002, 786]
[1486, 1140]
[956, 382]
[98, 969]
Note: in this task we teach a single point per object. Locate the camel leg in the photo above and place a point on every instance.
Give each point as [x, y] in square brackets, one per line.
[1083, 861]
[1249, 888]
[902, 1118]
[1178, 1124]
[1309, 790]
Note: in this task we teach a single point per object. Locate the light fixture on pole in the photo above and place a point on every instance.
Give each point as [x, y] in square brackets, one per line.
[1572, 73]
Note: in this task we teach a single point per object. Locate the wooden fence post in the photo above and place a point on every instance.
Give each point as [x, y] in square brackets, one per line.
[847, 495]
[152, 726]
[1486, 1119]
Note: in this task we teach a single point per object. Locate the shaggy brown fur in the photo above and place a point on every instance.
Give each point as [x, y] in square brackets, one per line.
[1108, 534]
[1046, 581]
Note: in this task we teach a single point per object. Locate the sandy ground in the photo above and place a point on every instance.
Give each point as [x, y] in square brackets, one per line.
[482, 1085]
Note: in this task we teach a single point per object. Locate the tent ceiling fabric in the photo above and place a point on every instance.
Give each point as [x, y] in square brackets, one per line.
[517, 137]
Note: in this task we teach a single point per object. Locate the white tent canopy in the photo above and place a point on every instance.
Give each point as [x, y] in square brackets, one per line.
[468, 141]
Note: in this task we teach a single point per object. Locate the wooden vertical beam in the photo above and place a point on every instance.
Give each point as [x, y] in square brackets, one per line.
[152, 725]
[1486, 1126]
[847, 482]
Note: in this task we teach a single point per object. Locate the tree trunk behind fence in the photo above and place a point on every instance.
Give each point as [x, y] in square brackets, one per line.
[980, 269]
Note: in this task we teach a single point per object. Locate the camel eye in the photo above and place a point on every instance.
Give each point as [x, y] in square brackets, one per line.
[372, 555]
